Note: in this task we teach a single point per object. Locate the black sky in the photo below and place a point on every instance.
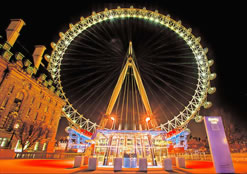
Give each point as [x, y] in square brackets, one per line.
[221, 27]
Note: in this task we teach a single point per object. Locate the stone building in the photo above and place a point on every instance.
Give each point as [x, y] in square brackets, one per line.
[26, 91]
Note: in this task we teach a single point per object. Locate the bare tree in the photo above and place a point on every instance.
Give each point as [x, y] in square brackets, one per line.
[31, 131]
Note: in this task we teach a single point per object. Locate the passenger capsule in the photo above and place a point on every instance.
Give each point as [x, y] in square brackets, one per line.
[211, 90]
[212, 76]
[207, 104]
[210, 62]
[198, 119]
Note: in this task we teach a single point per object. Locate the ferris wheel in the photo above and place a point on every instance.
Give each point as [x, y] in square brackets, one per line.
[89, 57]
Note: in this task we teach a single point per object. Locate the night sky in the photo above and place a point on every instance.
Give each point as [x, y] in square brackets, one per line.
[220, 26]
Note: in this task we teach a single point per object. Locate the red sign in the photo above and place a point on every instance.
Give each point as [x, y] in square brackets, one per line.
[86, 133]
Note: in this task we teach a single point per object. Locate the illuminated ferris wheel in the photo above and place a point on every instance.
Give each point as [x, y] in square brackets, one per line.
[169, 79]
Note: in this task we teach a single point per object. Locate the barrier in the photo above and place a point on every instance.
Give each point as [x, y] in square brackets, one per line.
[92, 163]
[143, 164]
[117, 164]
[167, 164]
[180, 162]
[78, 161]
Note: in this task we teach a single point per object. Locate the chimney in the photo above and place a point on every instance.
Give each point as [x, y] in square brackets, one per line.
[37, 55]
[13, 30]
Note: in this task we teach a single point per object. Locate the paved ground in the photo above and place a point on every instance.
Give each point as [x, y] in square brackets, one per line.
[66, 166]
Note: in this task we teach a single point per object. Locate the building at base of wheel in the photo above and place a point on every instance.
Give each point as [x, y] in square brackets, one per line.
[27, 93]
[130, 145]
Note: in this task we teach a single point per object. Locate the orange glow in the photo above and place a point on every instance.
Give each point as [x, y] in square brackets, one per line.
[16, 126]
[198, 164]
[49, 163]
[112, 118]
[66, 166]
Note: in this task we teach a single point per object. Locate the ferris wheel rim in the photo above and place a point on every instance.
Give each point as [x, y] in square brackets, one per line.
[203, 82]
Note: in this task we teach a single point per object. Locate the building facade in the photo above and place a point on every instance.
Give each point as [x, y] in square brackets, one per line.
[27, 92]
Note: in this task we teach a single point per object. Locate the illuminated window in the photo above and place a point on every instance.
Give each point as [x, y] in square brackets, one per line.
[18, 146]
[2, 142]
[36, 146]
[44, 147]
[26, 145]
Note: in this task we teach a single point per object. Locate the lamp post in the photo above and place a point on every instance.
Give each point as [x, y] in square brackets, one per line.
[113, 122]
[66, 148]
[147, 120]
[16, 126]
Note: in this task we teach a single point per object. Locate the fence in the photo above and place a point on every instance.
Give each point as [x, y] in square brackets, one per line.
[42, 155]
[193, 156]
[188, 156]
[207, 157]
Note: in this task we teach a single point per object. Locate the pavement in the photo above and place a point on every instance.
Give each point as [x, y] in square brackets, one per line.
[46, 166]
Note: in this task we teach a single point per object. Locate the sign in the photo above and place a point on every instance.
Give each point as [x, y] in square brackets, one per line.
[218, 144]
[86, 133]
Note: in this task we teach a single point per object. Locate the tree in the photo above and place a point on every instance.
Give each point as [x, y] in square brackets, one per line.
[31, 131]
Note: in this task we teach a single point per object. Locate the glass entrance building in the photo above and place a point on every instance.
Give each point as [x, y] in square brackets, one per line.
[130, 145]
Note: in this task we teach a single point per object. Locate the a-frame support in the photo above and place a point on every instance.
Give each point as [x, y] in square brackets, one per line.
[129, 64]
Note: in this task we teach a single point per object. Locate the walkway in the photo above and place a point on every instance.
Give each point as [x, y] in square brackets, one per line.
[66, 166]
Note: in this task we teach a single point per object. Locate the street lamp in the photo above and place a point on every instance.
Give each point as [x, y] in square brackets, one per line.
[147, 120]
[113, 122]
[66, 148]
[16, 126]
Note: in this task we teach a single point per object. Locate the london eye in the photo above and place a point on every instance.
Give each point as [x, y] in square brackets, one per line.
[167, 78]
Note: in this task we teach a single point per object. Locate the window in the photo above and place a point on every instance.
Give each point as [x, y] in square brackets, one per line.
[29, 111]
[39, 106]
[32, 100]
[8, 123]
[46, 109]
[36, 116]
[19, 96]
[36, 146]
[11, 89]
[4, 103]
[4, 142]
[18, 146]
[44, 147]
[47, 134]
